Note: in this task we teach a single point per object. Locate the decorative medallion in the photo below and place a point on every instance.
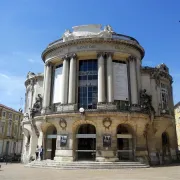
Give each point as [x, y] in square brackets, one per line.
[63, 123]
[107, 122]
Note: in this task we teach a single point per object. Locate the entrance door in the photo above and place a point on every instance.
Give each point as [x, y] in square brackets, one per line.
[50, 143]
[124, 144]
[86, 142]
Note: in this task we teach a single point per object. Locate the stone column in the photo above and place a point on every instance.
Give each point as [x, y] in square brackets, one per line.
[72, 80]
[110, 88]
[65, 80]
[47, 87]
[101, 81]
[41, 137]
[133, 80]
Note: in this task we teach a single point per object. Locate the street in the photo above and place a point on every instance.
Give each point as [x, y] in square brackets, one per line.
[19, 172]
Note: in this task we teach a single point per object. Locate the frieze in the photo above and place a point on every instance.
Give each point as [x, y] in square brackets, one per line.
[92, 44]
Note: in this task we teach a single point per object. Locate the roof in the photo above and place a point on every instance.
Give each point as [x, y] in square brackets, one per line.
[11, 109]
[176, 105]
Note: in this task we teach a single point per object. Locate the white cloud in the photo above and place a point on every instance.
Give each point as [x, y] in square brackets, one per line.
[31, 60]
[4, 75]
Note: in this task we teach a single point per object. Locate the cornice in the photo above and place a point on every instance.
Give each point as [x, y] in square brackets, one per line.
[127, 43]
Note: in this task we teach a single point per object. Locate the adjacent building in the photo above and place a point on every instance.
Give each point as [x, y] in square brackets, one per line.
[11, 137]
[95, 101]
[177, 118]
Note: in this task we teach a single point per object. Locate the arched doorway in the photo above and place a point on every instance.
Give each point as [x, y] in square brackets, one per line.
[51, 135]
[124, 142]
[165, 147]
[86, 142]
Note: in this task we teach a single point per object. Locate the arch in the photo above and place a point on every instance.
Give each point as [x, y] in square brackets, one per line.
[50, 142]
[124, 129]
[85, 142]
[125, 142]
[165, 147]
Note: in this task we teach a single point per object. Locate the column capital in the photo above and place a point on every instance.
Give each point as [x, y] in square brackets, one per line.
[48, 64]
[109, 54]
[66, 57]
[74, 56]
[131, 58]
[99, 54]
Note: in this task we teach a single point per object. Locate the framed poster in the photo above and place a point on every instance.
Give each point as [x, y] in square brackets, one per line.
[106, 140]
[63, 140]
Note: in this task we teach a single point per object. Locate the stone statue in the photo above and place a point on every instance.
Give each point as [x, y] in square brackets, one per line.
[146, 104]
[108, 28]
[37, 106]
[67, 35]
[30, 74]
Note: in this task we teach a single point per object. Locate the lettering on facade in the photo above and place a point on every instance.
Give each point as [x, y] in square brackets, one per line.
[89, 46]
[120, 47]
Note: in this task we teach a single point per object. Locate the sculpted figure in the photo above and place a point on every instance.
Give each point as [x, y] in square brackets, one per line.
[37, 106]
[146, 104]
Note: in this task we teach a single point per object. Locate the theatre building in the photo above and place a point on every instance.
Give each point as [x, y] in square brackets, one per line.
[96, 102]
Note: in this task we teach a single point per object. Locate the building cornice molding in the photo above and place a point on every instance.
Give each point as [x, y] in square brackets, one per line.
[93, 41]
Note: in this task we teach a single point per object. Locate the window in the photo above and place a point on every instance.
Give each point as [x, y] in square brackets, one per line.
[10, 116]
[164, 96]
[9, 128]
[17, 117]
[88, 84]
[2, 127]
[4, 114]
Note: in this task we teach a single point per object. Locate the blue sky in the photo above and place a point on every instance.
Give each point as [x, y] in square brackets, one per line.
[28, 26]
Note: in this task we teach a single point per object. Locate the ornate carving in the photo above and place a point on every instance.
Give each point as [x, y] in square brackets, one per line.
[109, 54]
[37, 106]
[131, 58]
[146, 104]
[99, 54]
[30, 74]
[63, 123]
[107, 122]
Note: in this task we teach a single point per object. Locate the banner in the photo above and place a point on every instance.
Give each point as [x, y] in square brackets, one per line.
[120, 81]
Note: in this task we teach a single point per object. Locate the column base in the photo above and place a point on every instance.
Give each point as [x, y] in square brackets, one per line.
[106, 156]
[135, 107]
[64, 156]
[65, 107]
[107, 106]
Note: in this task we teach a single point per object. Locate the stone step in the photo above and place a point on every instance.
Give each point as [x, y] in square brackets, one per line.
[85, 165]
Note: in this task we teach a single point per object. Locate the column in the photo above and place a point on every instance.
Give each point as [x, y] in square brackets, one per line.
[101, 87]
[110, 88]
[47, 86]
[133, 80]
[138, 72]
[40, 138]
[72, 80]
[65, 79]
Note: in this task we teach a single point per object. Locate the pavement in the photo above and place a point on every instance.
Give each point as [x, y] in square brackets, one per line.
[19, 172]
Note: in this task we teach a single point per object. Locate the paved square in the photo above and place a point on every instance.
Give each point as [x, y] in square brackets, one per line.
[19, 172]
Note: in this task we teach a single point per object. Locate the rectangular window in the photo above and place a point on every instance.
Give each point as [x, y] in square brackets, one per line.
[164, 96]
[3, 114]
[2, 127]
[10, 116]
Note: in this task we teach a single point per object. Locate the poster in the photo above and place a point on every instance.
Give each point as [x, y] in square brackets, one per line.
[57, 85]
[106, 140]
[120, 81]
[63, 140]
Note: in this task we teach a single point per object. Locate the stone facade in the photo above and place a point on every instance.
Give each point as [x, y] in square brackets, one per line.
[96, 102]
[11, 137]
[177, 118]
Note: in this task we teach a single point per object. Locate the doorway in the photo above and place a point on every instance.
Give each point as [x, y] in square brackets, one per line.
[124, 143]
[165, 148]
[51, 136]
[86, 142]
